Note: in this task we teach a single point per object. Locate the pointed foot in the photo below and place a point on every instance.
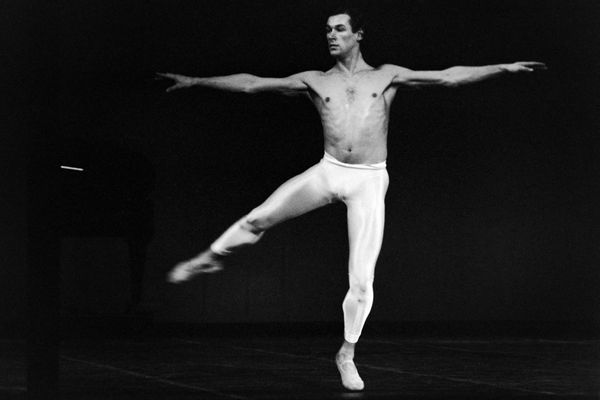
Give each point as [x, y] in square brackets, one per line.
[350, 378]
[205, 263]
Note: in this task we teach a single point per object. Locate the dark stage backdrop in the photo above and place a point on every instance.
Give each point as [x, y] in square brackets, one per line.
[492, 206]
[15, 40]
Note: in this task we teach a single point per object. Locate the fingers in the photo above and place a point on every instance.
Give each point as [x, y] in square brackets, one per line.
[179, 80]
[161, 75]
[533, 65]
[158, 76]
[176, 86]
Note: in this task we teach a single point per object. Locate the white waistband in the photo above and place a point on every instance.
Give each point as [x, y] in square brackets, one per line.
[328, 157]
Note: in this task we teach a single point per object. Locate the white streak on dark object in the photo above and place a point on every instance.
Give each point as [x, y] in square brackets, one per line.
[71, 168]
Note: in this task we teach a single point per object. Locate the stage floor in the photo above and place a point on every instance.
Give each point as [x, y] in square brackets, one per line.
[301, 367]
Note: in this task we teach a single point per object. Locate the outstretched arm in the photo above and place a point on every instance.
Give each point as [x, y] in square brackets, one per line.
[245, 83]
[458, 76]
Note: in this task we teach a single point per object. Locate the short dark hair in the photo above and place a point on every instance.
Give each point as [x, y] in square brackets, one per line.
[357, 21]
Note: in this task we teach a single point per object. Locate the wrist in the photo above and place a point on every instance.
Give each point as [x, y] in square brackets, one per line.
[505, 68]
[194, 81]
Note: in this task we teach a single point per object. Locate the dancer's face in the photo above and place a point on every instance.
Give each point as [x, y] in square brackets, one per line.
[340, 38]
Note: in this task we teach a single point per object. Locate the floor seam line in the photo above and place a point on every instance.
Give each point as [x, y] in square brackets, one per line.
[473, 351]
[384, 369]
[157, 379]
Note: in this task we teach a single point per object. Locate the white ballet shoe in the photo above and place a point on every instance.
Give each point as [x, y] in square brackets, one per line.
[350, 378]
[186, 270]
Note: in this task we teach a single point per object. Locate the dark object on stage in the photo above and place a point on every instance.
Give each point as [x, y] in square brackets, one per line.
[105, 190]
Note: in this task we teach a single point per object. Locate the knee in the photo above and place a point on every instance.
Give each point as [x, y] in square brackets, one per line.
[255, 223]
[362, 289]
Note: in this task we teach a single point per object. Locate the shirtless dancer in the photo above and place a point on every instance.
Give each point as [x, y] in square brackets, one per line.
[353, 99]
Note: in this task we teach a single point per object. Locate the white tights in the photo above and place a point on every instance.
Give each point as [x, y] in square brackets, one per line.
[362, 188]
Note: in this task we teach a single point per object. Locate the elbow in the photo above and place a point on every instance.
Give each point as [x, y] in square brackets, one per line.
[250, 85]
[451, 77]
[248, 89]
[450, 82]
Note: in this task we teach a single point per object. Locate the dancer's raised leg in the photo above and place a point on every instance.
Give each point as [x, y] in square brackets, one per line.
[299, 195]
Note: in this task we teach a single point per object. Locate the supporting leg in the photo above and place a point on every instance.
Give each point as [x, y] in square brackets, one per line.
[366, 214]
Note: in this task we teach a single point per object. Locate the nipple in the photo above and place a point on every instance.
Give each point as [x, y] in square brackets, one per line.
[327, 99]
[374, 95]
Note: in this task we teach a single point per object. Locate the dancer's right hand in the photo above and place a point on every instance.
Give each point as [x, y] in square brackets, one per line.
[180, 81]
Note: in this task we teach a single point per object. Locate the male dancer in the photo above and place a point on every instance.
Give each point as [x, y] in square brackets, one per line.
[353, 100]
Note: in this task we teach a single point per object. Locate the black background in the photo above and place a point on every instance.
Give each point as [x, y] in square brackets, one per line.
[492, 207]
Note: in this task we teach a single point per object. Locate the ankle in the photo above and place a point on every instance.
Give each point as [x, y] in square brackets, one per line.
[211, 254]
[345, 353]
[206, 255]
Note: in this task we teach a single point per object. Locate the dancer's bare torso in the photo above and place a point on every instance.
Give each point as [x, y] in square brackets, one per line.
[354, 110]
